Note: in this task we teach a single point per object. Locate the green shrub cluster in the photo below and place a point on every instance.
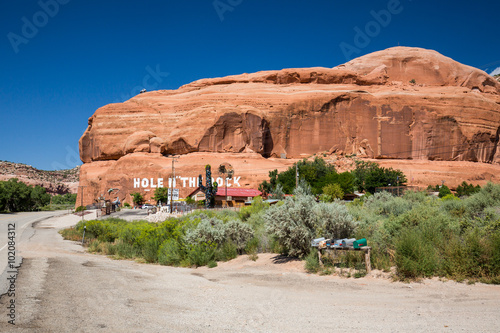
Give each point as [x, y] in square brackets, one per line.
[16, 196]
[197, 239]
[420, 235]
[424, 236]
[300, 219]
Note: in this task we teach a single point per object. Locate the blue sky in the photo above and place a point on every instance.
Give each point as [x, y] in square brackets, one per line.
[63, 59]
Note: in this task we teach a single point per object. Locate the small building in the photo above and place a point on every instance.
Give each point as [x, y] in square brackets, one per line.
[236, 197]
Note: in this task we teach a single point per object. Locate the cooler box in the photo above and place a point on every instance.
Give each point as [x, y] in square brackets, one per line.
[360, 243]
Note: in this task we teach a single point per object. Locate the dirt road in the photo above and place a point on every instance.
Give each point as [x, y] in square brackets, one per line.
[61, 288]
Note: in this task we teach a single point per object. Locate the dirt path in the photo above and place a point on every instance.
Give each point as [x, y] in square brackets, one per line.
[62, 289]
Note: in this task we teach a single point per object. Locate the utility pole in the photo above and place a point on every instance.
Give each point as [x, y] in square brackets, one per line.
[172, 182]
[297, 175]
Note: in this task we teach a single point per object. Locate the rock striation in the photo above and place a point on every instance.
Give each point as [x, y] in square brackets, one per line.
[399, 103]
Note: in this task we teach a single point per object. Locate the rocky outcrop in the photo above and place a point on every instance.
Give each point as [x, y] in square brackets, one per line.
[399, 103]
[55, 182]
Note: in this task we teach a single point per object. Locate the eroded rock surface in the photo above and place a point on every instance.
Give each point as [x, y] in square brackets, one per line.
[399, 103]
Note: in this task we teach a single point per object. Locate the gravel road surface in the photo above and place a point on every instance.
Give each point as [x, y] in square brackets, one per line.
[61, 288]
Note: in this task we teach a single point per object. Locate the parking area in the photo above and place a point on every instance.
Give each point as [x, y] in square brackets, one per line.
[128, 214]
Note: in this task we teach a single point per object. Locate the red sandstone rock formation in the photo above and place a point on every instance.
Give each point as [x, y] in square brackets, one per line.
[400, 103]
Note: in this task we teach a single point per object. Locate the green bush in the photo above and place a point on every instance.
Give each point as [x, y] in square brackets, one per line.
[170, 253]
[238, 233]
[332, 192]
[71, 234]
[125, 250]
[201, 254]
[226, 252]
[312, 262]
[444, 191]
[293, 224]
[256, 207]
[150, 250]
[94, 246]
[465, 189]
[415, 256]
[207, 231]
[333, 220]
[80, 209]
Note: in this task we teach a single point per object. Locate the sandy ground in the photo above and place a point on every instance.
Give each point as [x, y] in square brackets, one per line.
[61, 288]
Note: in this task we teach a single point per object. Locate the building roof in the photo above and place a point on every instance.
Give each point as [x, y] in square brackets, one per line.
[234, 192]
[238, 192]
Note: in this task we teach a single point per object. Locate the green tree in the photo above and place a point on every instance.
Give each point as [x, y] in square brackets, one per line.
[465, 189]
[137, 198]
[277, 193]
[444, 191]
[161, 194]
[312, 172]
[39, 197]
[369, 175]
[331, 192]
[16, 196]
[344, 179]
[64, 199]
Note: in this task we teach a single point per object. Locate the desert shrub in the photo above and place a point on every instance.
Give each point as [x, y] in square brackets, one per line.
[488, 196]
[277, 193]
[415, 256]
[252, 246]
[212, 264]
[150, 250]
[416, 196]
[79, 209]
[454, 206]
[422, 215]
[293, 224]
[200, 254]
[210, 230]
[238, 233]
[170, 253]
[381, 260]
[226, 251]
[125, 250]
[94, 246]
[333, 220]
[312, 262]
[126, 205]
[384, 203]
[257, 206]
[110, 249]
[71, 234]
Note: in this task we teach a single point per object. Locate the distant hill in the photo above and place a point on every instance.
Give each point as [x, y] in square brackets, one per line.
[56, 182]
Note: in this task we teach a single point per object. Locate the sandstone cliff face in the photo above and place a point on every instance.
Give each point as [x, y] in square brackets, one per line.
[400, 103]
[367, 106]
